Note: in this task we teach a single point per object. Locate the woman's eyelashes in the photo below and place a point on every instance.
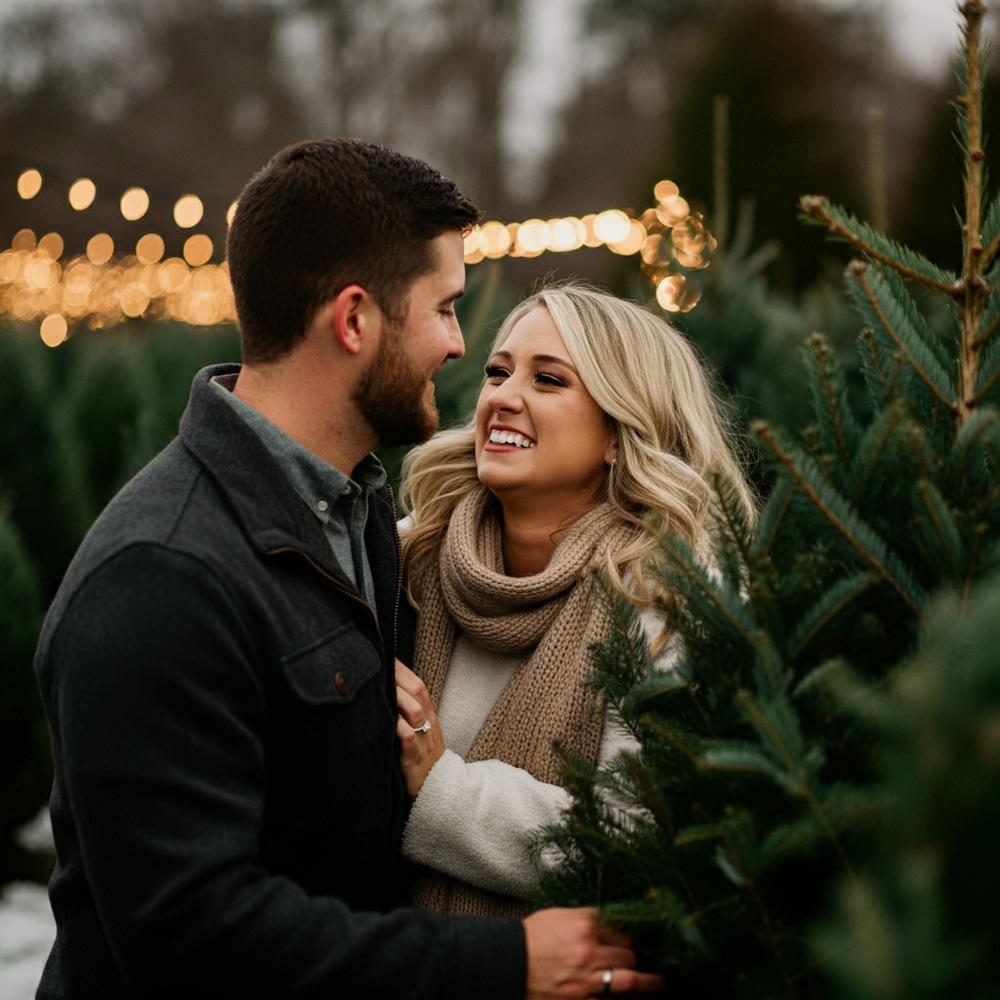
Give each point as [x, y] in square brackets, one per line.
[496, 374]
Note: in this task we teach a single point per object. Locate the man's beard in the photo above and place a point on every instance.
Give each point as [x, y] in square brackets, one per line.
[390, 394]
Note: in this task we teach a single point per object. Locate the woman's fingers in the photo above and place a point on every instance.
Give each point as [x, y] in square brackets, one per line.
[412, 684]
[409, 708]
[625, 980]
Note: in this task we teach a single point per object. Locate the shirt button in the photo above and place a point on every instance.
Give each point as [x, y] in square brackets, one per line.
[340, 683]
[322, 505]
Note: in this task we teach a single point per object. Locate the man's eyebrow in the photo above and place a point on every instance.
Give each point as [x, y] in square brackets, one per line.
[454, 297]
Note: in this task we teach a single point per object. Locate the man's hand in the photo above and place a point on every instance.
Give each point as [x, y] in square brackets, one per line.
[419, 750]
[569, 953]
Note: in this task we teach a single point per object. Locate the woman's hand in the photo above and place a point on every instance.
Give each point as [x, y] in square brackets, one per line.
[421, 748]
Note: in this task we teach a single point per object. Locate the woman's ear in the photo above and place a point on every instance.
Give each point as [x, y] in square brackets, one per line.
[611, 452]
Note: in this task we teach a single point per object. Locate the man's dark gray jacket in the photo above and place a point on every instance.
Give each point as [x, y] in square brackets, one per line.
[227, 804]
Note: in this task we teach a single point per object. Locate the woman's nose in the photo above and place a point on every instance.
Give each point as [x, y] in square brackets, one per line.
[506, 396]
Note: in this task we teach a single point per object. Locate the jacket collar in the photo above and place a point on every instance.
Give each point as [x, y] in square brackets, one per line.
[260, 494]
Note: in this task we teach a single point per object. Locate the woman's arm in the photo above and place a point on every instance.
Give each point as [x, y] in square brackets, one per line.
[471, 821]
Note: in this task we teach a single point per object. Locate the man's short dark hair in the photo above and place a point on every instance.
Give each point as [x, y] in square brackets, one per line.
[327, 213]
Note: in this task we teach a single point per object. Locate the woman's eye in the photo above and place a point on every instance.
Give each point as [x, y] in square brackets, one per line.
[546, 379]
[496, 372]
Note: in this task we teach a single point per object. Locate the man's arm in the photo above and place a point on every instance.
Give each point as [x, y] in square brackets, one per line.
[157, 716]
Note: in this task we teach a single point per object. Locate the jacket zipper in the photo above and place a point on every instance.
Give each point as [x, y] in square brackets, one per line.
[399, 572]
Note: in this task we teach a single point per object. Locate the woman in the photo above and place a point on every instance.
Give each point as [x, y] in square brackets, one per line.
[595, 420]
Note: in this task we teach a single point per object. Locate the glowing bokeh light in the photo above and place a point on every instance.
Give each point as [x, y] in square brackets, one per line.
[52, 244]
[134, 204]
[53, 330]
[494, 240]
[665, 189]
[231, 213]
[29, 184]
[82, 193]
[672, 210]
[24, 239]
[612, 226]
[633, 241]
[188, 211]
[149, 249]
[100, 248]
[567, 234]
[533, 237]
[198, 250]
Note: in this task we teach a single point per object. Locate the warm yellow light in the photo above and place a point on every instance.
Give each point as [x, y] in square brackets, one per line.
[53, 330]
[188, 211]
[591, 239]
[173, 274]
[494, 240]
[665, 189]
[567, 234]
[100, 248]
[198, 250]
[82, 193]
[633, 241]
[134, 301]
[533, 237]
[24, 239]
[52, 244]
[29, 184]
[134, 203]
[675, 294]
[612, 226]
[41, 272]
[231, 213]
[149, 249]
[673, 210]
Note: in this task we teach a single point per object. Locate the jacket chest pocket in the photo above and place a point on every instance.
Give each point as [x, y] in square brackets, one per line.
[333, 669]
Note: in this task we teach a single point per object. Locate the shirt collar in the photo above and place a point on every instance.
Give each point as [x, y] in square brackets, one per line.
[320, 484]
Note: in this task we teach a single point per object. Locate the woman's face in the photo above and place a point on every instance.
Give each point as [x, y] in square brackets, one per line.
[539, 433]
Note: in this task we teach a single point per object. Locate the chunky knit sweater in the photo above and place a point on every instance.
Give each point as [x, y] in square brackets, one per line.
[471, 820]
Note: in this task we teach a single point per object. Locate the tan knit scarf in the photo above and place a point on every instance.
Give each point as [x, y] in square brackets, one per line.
[552, 617]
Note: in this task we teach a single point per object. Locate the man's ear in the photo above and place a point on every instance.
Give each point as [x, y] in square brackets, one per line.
[351, 316]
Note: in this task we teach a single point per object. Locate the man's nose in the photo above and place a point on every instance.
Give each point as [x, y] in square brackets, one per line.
[456, 342]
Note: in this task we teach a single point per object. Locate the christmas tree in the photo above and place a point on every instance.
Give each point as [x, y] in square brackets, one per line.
[774, 841]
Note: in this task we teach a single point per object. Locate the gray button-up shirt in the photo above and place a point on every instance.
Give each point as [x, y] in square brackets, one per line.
[339, 502]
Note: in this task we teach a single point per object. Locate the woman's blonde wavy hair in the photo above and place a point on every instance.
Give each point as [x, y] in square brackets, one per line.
[672, 435]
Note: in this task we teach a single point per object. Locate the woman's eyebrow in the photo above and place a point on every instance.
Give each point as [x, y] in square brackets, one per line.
[545, 359]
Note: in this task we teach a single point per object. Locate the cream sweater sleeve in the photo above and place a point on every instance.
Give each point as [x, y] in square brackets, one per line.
[471, 821]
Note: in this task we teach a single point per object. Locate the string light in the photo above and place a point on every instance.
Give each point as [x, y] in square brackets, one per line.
[29, 184]
[99, 290]
[134, 204]
[188, 211]
[82, 193]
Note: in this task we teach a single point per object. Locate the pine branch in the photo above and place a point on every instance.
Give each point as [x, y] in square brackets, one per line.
[990, 319]
[991, 231]
[941, 532]
[773, 515]
[719, 602]
[873, 294]
[838, 597]
[836, 510]
[988, 372]
[842, 225]
[875, 442]
[837, 427]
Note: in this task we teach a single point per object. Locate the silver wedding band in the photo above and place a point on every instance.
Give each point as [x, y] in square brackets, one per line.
[606, 976]
[425, 728]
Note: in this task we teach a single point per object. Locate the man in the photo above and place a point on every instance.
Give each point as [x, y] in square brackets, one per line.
[217, 665]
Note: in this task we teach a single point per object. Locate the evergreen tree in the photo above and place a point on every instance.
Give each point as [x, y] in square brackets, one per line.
[764, 789]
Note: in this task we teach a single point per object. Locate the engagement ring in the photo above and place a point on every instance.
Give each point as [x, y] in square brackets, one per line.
[425, 728]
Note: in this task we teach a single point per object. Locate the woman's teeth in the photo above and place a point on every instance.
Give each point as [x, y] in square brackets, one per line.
[510, 437]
